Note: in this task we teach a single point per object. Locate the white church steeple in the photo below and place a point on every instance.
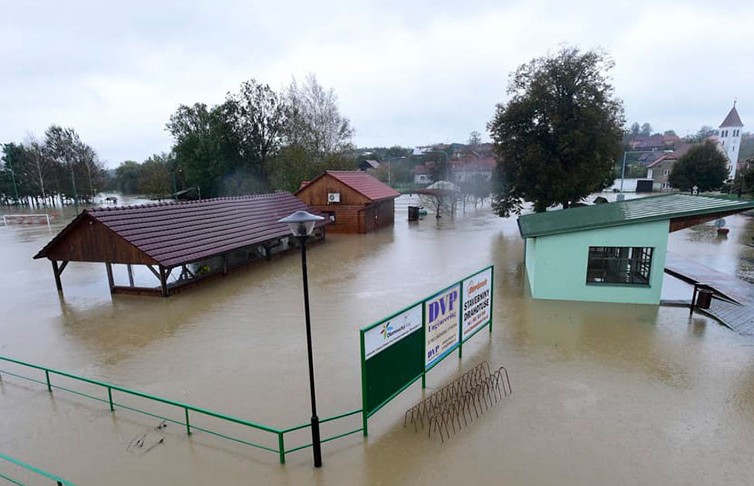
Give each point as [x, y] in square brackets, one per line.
[730, 138]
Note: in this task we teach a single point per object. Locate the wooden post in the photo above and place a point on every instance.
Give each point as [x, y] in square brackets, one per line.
[110, 279]
[225, 264]
[164, 282]
[130, 274]
[56, 272]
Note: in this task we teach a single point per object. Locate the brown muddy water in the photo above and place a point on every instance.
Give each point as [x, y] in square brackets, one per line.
[603, 393]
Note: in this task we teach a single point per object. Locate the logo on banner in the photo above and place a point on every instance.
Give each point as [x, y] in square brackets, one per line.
[387, 330]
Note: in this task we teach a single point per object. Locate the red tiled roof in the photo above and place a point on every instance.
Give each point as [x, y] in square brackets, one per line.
[178, 233]
[363, 183]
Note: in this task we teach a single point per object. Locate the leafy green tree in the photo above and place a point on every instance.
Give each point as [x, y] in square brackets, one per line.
[646, 129]
[747, 147]
[704, 132]
[557, 138]
[206, 147]
[704, 166]
[293, 165]
[79, 172]
[475, 138]
[744, 182]
[127, 176]
[635, 129]
[258, 117]
[155, 177]
[669, 133]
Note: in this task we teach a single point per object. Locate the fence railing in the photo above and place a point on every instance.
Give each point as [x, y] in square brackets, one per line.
[188, 410]
[59, 481]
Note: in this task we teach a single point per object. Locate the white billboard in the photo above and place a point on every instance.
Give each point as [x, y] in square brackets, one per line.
[477, 302]
[442, 314]
[392, 330]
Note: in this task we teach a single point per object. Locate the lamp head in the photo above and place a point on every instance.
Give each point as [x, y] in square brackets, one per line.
[301, 223]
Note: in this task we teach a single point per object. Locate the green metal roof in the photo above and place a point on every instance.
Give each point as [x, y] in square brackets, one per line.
[642, 210]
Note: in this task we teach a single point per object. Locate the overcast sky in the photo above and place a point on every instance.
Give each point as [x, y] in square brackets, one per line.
[405, 72]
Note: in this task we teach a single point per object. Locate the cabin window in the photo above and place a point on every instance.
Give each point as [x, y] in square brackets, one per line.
[628, 265]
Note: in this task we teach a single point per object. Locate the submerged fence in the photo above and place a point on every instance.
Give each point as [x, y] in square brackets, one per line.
[187, 411]
[35, 470]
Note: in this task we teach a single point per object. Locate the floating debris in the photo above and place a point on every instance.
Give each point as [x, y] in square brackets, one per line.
[146, 441]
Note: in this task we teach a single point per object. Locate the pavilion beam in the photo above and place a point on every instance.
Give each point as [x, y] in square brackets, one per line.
[57, 271]
[164, 281]
[110, 279]
[225, 264]
[130, 275]
[155, 272]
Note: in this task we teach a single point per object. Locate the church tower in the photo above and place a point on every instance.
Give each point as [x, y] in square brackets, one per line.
[730, 138]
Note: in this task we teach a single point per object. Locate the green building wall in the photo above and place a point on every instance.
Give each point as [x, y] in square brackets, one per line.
[556, 265]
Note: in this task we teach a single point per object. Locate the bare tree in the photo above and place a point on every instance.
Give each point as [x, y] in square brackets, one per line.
[314, 120]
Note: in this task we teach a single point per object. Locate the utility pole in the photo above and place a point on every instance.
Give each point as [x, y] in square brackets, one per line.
[9, 159]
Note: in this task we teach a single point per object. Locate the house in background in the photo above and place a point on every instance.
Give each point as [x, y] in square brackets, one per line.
[473, 166]
[369, 165]
[354, 201]
[611, 252]
[659, 170]
[421, 175]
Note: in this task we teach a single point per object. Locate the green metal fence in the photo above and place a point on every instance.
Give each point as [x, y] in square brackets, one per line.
[188, 410]
[38, 472]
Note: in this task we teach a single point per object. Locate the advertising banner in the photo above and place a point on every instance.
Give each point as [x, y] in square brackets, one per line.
[443, 316]
[389, 332]
[477, 300]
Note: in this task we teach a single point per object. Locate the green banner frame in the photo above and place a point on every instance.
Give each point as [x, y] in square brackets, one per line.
[394, 366]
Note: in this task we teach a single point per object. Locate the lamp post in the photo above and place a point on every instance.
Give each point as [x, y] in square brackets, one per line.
[301, 224]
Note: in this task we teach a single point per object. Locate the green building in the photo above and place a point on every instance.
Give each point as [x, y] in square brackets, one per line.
[611, 252]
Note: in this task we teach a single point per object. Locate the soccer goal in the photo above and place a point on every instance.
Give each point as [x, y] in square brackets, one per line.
[9, 219]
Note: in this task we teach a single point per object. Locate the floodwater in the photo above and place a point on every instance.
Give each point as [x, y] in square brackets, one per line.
[602, 393]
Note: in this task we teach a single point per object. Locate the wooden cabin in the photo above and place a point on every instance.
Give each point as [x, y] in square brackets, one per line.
[355, 202]
[180, 243]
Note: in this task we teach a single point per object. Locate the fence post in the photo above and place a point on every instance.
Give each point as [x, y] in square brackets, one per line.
[188, 426]
[281, 447]
[110, 398]
[47, 376]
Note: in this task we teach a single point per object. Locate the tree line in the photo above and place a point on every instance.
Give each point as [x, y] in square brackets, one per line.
[256, 141]
[58, 169]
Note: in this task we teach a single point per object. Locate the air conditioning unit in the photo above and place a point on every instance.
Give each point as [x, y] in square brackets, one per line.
[333, 197]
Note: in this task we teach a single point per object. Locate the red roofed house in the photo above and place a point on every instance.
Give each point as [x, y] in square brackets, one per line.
[356, 202]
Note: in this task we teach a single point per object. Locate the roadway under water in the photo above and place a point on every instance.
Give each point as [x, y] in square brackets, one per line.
[603, 393]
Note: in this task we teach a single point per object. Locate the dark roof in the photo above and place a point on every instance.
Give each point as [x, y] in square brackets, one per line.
[361, 182]
[674, 155]
[178, 233]
[643, 210]
[732, 120]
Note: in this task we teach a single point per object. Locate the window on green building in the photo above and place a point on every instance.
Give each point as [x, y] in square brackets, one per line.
[629, 265]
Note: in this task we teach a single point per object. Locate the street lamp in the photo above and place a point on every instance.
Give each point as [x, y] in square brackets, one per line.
[301, 224]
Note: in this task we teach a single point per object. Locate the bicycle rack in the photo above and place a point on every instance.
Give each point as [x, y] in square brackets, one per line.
[465, 398]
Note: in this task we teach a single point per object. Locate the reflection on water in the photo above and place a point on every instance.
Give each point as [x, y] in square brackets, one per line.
[603, 393]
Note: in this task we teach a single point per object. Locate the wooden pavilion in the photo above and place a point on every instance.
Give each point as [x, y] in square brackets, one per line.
[180, 243]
